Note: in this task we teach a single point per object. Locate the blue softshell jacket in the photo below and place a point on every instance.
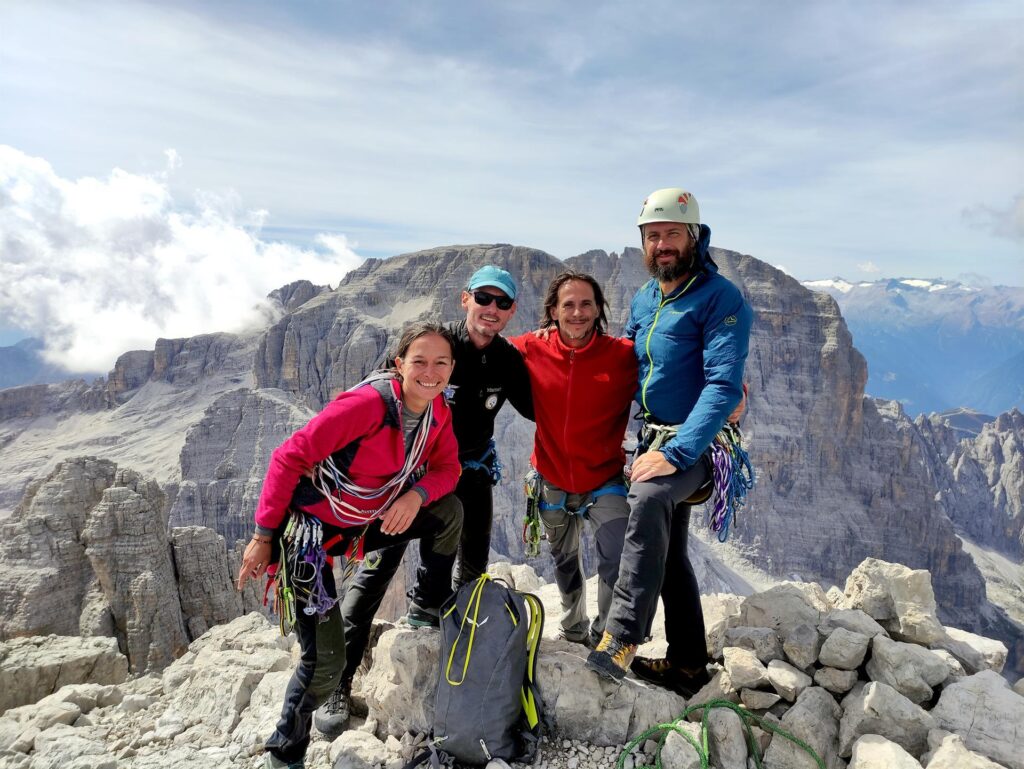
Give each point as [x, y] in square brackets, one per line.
[691, 346]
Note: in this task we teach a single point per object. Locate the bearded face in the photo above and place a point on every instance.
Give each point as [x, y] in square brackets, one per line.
[668, 251]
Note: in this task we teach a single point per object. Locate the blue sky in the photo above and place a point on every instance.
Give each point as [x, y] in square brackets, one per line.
[860, 139]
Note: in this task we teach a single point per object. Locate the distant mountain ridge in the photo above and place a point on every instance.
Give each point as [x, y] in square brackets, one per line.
[936, 345]
[22, 363]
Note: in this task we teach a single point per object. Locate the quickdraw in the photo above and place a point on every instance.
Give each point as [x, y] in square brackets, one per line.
[531, 521]
[299, 576]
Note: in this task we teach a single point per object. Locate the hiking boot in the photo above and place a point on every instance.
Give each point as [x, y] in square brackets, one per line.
[611, 658]
[331, 717]
[658, 670]
[418, 617]
[583, 639]
[270, 761]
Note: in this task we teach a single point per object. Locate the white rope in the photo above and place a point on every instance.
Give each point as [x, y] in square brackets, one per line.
[326, 473]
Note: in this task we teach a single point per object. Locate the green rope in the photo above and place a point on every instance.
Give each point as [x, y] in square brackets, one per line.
[746, 718]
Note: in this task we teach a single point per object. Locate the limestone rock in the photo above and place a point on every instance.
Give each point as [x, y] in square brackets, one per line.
[678, 752]
[205, 585]
[879, 709]
[956, 669]
[356, 750]
[727, 741]
[802, 645]
[785, 605]
[718, 688]
[755, 699]
[901, 598]
[520, 576]
[32, 668]
[873, 752]
[949, 752]
[1019, 687]
[721, 612]
[399, 687]
[835, 597]
[787, 680]
[126, 542]
[851, 619]
[974, 651]
[764, 642]
[835, 680]
[844, 649]
[744, 669]
[911, 670]
[999, 733]
[815, 720]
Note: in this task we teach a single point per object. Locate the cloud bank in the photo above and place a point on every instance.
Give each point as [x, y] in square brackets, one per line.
[98, 266]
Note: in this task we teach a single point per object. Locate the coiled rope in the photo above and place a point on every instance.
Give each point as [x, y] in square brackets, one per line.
[746, 718]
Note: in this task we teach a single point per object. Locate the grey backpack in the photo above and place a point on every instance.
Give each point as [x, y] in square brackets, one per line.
[488, 705]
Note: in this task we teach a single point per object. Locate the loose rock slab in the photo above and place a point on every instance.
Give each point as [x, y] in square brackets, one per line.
[873, 752]
[910, 669]
[879, 709]
[987, 714]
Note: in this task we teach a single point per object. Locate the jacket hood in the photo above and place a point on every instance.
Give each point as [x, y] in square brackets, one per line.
[703, 250]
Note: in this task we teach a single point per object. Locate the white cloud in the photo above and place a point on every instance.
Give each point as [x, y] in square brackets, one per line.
[96, 267]
[868, 267]
[1003, 222]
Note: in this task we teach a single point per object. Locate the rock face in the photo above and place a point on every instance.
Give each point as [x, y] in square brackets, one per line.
[981, 480]
[99, 534]
[225, 457]
[999, 734]
[32, 668]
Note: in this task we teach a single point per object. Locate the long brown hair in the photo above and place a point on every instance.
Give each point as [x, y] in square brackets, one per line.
[551, 299]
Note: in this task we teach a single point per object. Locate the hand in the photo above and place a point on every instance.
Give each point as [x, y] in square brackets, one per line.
[254, 562]
[400, 515]
[543, 333]
[650, 464]
[737, 414]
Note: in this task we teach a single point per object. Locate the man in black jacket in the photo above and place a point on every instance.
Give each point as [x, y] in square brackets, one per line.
[488, 371]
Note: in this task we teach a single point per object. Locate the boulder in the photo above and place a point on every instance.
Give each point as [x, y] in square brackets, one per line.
[727, 740]
[356, 750]
[756, 699]
[987, 714]
[787, 680]
[718, 688]
[744, 669]
[844, 649]
[956, 668]
[835, 680]
[678, 752]
[399, 688]
[871, 751]
[851, 619]
[721, 612]
[520, 576]
[949, 752]
[814, 719]
[785, 605]
[901, 599]
[32, 668]
[763, 641]
[802, 645]
[975, 652]
[879, 709]
[909, 669]
[1019, 687]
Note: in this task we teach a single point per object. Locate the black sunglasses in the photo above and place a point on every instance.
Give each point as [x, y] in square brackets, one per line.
[483, 299]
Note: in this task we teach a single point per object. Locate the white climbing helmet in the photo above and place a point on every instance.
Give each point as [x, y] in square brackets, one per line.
[671, 204]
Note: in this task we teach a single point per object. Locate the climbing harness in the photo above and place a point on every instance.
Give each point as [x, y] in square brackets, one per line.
[488, 462]
[299, 576]
[330, 481]
[746, 717]
[536, 504]
[732, 474]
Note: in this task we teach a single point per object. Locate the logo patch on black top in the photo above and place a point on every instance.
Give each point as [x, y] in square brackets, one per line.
[730, 320]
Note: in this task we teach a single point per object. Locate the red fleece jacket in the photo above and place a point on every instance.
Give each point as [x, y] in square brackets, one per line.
[581, 398]
[363, 428]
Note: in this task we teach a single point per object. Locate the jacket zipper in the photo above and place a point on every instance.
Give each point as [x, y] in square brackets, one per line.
[647, 343]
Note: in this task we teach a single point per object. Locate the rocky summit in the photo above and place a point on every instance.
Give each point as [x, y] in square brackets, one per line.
[867, 678]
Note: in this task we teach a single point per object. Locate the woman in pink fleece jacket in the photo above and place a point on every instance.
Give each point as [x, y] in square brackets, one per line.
[377, 466]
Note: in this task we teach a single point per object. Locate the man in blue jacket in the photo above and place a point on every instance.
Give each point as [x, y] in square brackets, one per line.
[691, 328]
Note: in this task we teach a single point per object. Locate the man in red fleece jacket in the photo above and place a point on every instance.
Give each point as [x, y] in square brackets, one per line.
[583, 382]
